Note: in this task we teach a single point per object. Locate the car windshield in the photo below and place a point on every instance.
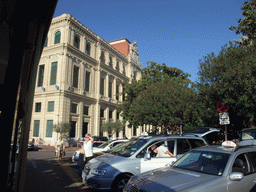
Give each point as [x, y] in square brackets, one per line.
[208, 162]
[128, 148]
[103, 145]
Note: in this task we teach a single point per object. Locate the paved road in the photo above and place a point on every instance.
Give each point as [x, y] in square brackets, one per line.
[44, 173]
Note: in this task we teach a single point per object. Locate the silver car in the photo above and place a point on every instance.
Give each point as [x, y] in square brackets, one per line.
[113, 170]
[210, 168]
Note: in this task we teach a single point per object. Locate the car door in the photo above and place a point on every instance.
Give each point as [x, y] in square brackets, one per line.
[182, 147]
[243, 164]
[150, 161]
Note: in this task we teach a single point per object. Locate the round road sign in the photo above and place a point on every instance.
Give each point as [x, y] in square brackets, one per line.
[222, 107]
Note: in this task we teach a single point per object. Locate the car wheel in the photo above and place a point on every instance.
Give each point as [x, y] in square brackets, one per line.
[120, 182]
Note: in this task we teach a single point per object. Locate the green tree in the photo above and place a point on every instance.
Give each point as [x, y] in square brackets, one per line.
[247, 26]
[166, 104]
[148, 100]
[62, 128]
[229, 76]
[112, 127]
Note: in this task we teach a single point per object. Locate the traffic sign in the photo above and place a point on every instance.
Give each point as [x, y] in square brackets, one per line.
[222, 107]
[224, 118]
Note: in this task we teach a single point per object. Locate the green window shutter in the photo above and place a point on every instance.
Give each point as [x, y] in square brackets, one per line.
[57, 37]
[49, 126]
[46, 42]
[53, 73]
[40, 76]
[87, 81]
[50, 106]
[102, 86]
[36, 128]
[75, 76]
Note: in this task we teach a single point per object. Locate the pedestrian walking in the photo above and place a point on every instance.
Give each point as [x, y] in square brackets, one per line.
[60, 148]
[87, 145]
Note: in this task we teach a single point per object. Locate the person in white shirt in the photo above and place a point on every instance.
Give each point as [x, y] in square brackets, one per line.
[60, 147]
[161, 151]
[247, 136]
[87, 145]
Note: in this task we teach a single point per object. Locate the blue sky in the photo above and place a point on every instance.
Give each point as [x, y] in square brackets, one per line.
[175, 32]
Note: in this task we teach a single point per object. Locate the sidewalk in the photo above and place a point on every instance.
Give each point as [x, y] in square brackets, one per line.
[52, 148]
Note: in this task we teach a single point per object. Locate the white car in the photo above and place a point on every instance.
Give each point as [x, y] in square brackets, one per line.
[101, 148]
[211, 135]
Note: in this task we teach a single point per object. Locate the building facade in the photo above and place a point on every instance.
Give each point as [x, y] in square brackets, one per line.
[78, 80]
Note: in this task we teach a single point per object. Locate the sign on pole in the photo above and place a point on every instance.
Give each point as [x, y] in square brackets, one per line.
[222, 107]
[224, 118]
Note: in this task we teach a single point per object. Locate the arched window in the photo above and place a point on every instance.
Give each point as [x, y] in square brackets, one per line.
[88, 48]
[77, 42]
[57, 37]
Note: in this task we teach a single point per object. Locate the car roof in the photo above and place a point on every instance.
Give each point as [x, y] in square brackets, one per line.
[215, 148]
[173, 137]
[220, 149]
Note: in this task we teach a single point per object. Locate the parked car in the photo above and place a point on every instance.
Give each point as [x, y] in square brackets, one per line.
[210, 168]
[102, 147]
[211, 135]
[113, 170]
[248, 136]
[98, 140]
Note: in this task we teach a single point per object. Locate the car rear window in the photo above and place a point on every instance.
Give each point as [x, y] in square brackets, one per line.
[196, 143]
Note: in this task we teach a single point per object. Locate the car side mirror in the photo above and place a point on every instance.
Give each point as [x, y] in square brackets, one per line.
[236, 176]
[147, 156]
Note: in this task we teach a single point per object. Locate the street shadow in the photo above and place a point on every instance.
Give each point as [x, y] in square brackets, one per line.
[47, 175]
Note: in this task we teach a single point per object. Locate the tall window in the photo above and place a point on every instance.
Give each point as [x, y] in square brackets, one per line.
[110, 114]
[102, 80]
[110, 89]
[72, 132]
[102, 57]
[75, 76]
[38, 107]
[53, 76]
[117, 66]
[88, 49]
[40, 76]
[87, 81]
[102, 113]
[77, 42]
[110, 62]
[117, 115]
[86, 110]
[36, 128]
[117, 91]
[50, 106]
[57, 37]
[46, 42]
[49, 126]
[73, 108]
[124, 72]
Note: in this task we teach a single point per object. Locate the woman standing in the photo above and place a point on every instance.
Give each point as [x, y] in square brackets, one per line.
[60, 147]
[88, 153]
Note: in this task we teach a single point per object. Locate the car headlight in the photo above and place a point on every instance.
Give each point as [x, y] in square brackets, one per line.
[99, 172]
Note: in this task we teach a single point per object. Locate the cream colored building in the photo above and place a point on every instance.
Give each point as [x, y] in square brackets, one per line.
[78, 80]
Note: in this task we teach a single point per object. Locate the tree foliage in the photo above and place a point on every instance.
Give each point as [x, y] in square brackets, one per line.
[162, 97]
[112, 127]
[229, 76]
[247, 26]
[62, 127]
